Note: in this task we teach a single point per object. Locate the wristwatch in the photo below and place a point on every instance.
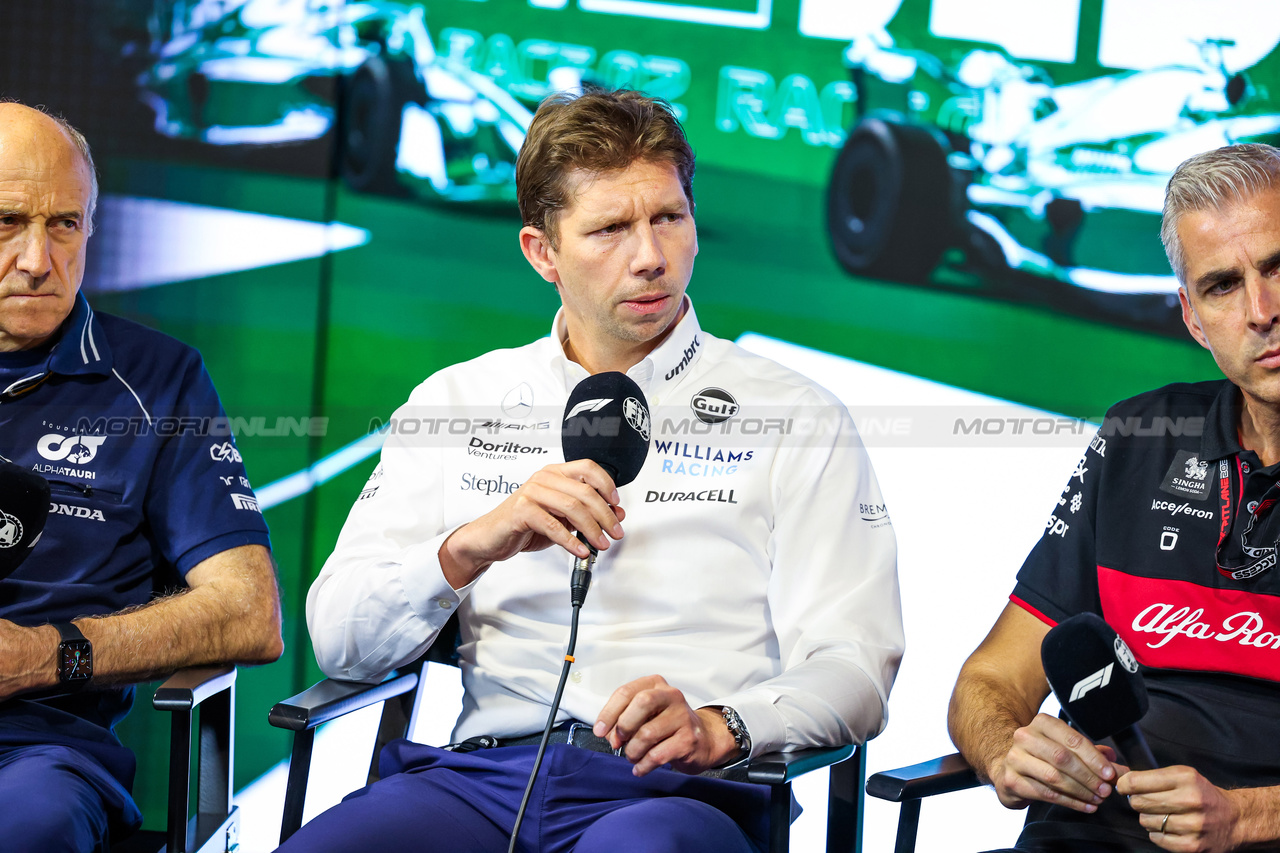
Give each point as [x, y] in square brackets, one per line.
[738, 729]
[75, 656]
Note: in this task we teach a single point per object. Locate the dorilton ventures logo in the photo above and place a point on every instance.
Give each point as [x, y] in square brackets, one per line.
[506, 450]
[719, 496]
[713, 405]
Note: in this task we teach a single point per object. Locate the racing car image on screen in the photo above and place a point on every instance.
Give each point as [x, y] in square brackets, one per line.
[989, 171]
[267, 72]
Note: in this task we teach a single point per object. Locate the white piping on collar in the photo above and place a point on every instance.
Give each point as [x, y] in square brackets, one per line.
[135, 395]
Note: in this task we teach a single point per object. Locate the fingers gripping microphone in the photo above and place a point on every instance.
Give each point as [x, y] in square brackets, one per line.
[24, 507]
[607, 421]
[1096, 680]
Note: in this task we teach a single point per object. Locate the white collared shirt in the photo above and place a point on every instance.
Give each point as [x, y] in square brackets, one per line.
[757, 569]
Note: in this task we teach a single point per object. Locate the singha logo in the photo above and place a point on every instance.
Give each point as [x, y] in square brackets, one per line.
[1197, 470]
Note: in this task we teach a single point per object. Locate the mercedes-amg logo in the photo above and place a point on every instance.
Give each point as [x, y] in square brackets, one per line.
[519, 401]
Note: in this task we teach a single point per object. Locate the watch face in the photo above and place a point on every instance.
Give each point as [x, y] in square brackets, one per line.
[75, 660]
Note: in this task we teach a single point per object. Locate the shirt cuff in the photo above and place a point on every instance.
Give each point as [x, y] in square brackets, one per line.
[428, 592]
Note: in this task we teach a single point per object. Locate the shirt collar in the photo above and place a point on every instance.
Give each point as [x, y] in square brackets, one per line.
[669, 362]
[1221, 437]
[81, 348]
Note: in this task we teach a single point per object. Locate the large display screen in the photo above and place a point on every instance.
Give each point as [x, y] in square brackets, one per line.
[319, 195]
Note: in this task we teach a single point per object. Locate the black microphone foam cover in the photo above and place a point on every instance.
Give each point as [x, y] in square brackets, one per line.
[24, 507]
[1094, 676]
[607, 421]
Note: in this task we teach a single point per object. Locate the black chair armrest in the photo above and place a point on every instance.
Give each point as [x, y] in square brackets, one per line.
[216, 820]
[329, 699]
[926, 779]
[777, 768]
[187, 688]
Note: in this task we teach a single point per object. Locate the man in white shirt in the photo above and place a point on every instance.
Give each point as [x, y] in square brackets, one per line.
[750, 605]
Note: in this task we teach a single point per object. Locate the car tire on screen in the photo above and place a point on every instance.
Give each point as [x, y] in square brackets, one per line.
[888, 203]
[370, 124]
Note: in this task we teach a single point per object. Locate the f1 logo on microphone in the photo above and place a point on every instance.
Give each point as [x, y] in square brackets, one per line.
[589, 406]
[1101, 678]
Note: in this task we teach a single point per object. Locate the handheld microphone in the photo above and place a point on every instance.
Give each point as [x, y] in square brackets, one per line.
[24, 507]
[1095, 678]
[607, 421]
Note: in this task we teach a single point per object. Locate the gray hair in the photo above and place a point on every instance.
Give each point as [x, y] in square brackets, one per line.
[82, 145]
[1214, 180]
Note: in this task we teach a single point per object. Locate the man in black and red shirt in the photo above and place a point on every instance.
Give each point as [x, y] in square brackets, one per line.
[1168, 529]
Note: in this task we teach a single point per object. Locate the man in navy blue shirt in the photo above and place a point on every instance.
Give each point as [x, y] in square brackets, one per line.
[146, 483]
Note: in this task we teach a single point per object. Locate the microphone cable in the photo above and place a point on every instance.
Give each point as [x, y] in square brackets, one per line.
[579, 585]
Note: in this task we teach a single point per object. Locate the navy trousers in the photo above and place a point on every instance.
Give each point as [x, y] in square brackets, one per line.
[54, 799]
[431, 799]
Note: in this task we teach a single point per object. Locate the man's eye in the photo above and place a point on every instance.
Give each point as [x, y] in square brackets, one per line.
[611, 229]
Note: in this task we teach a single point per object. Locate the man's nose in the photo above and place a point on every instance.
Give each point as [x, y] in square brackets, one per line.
[33, 258]
[648, 260]
[1264, 301]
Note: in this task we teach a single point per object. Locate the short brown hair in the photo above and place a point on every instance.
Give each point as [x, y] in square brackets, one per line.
[597, 131]
[1215, 180]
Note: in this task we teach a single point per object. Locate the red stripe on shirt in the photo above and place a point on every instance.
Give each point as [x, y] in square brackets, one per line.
[1036, 613]
[1172, 624]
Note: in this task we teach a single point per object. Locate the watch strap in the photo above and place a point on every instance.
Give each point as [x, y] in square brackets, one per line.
[738, 729]
[68, 631]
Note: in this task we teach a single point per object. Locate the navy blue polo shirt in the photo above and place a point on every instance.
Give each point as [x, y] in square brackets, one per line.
[1135, 538]
[146, 482]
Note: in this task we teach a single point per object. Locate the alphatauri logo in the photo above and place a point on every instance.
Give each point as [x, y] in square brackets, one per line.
[76, 449]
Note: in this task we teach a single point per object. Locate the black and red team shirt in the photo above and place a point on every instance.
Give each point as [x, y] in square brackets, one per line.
[1134, 537]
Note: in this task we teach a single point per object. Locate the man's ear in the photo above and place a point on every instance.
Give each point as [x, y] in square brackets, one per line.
[539, 253]
[1190, 319]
